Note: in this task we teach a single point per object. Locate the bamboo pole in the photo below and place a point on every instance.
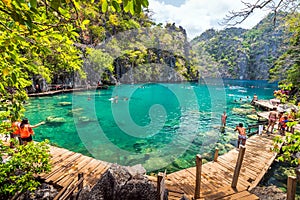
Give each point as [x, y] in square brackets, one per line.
[238, 166]
[198, 176]
[216, 155]
[291, 188]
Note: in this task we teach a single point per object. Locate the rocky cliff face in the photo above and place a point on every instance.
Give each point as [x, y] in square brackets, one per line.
[246, 54]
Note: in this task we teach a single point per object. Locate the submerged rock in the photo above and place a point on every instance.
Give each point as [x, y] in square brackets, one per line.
[65, 103]
[53, 119]
[243, 111]
[123, 183]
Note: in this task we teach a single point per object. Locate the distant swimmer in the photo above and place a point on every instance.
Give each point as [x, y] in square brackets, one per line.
[114, 99]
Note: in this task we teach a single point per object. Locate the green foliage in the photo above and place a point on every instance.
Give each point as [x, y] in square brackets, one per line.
[18, 167]
[247, 53]
[100, 61]
[39, 38]
[287, 67]
[291, 146]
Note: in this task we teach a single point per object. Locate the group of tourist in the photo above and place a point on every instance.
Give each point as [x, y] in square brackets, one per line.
[282, 120]
[273, 117]
[242, 131]
[22, 130]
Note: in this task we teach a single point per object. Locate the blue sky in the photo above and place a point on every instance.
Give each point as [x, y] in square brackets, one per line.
[196, 16]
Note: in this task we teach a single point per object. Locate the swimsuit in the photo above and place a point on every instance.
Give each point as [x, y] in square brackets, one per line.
[242, 137]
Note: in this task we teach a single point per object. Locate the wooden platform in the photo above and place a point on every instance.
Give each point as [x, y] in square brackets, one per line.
[66, 165]
[216, 177]
[265, 104]
[61, 91]
[264, 115]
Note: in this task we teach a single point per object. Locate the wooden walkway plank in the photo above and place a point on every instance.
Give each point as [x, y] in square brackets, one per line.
[216, 177]
[75, 170]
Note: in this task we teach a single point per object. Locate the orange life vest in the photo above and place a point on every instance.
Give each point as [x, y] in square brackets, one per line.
[16, 127]
[26, 131]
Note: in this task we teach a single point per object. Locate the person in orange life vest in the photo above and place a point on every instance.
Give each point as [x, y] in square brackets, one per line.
[282, 121]
[26, 131]
[15, 132]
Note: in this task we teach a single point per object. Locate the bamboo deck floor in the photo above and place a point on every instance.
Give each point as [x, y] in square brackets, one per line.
[66, 165]
[216, 177]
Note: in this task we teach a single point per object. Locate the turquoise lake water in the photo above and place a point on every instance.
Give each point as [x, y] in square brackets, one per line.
[161, 126]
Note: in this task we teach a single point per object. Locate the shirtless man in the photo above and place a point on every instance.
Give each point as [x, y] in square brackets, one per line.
[242, 135]
[223, 119]
[272, 120]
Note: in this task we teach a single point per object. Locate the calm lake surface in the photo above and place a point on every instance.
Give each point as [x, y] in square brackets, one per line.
[161, 126]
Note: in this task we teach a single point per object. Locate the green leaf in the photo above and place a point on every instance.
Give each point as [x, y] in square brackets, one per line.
[55, 4]
[125, 2]
[104, 6]
[131, 7]
[145, 3]
[33, 3]
[116, 6]
[77, 5]
[138, 6]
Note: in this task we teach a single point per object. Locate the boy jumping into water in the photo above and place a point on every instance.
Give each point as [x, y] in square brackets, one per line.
[242, 135]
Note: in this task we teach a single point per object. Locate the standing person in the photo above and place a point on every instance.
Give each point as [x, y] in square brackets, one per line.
[272, 120]
[26, 131]
[223, 119]
[282, 122]
[255, 98]
[15, 132]
[242, 135]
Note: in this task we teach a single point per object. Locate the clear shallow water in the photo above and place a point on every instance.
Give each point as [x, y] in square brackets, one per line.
[157, 125]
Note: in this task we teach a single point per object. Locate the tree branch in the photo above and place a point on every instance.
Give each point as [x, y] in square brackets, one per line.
[237, 17]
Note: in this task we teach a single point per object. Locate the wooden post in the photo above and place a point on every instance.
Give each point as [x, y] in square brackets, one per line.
[216, 155]
[238, 167]
[291, 188]
[198, 176]
[161, 185]
[80, 186]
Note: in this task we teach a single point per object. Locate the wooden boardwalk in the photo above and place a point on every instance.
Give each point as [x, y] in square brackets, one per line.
[216, 177]
[265, 104]
[66, 165]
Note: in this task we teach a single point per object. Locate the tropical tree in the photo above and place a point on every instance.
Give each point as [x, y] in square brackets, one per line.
[37, 37]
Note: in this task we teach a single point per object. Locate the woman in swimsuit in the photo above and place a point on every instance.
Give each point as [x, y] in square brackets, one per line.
[272, 120]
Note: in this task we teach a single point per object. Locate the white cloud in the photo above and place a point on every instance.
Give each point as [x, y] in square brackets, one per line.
[196, 16]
